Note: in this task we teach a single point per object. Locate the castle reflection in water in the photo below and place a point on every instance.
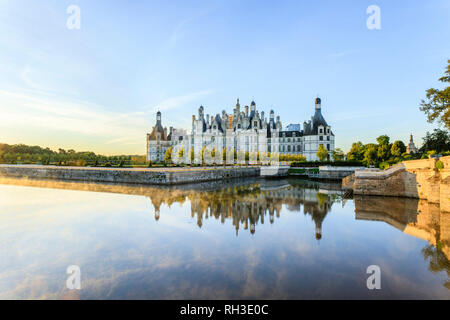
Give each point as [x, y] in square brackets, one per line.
[250, 203]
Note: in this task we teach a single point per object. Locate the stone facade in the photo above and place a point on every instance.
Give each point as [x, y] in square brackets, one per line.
[243, 131]
[413, 179]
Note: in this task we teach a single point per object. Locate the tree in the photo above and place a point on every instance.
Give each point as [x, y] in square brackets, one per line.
[224, 155]
[383, 140]
[370, 155]
[168, 155]
[437, 105]
[438, 141]
[356, 153]
[337, 154]
[398, 148]
[322, 153]
[202, 155]
[181, 153]
[192, 154]
[383, 149]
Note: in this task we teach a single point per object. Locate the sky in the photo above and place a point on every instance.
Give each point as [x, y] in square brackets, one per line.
[98, 87]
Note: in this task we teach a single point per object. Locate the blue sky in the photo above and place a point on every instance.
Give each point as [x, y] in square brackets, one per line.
[98, 88]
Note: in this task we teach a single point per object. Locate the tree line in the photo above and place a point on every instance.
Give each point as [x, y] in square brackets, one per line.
[24, 154]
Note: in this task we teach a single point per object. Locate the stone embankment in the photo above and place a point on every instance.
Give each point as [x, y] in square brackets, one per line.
[163, 176]
[413, 179]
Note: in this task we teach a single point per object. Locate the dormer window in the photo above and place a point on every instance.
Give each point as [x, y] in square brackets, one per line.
[320, 130]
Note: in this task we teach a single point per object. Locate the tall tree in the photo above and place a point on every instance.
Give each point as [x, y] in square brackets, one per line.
[437, 105]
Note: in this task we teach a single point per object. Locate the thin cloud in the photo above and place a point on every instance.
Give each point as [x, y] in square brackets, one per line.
[36, 111]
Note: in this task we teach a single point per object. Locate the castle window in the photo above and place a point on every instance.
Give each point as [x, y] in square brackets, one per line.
[328, 147]
[289, 139]
[328, 138]
[298, 148]
[289, 148]
[321, 131]
[321, 138]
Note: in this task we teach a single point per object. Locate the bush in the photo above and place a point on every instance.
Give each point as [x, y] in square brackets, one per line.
[314, 164]
[439, 165]
[384, 165]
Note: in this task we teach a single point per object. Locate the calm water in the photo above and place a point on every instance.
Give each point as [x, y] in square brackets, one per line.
[277, 239]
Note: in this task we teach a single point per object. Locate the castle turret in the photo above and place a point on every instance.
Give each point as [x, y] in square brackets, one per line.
[318, 104]
[158, 118]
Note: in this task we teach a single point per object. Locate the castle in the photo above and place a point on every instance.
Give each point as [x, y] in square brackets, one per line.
[246, 130]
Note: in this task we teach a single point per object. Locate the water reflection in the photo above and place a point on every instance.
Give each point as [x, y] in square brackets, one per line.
[229, 240]
[418, 218]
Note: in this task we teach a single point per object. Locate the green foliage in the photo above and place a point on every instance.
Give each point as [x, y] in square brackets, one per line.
[370, 155]
[192, 155]
[384, 165]
[307, 164]
[439, 165]
[168, 155]
[322, 153]
[383, 140]
[398, 148]
[437, 104]
[356, 153]
[13, 154]
[337, 154]
[438, 141]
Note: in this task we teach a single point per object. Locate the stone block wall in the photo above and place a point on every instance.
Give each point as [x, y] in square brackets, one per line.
[125, 175]
[413, 179]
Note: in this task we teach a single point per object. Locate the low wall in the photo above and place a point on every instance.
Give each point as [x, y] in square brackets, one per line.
[336, 173]
[169, 176]
[274, 171]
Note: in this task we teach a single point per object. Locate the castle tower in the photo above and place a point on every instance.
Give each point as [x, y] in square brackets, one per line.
[411, 148]
[318, 104]
[158, 118]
